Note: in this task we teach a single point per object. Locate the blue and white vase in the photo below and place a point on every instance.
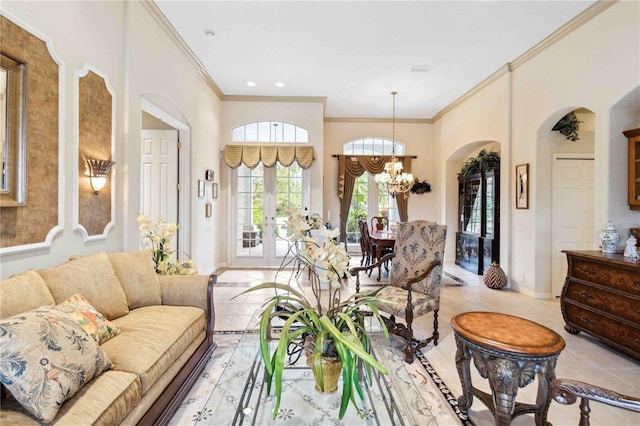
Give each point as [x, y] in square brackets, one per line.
[609, 238]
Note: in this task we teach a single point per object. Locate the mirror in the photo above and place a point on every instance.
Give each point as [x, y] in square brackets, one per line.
[12, 146]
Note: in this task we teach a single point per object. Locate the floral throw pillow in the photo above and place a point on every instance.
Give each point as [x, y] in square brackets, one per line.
[45, 358]
[94, 323]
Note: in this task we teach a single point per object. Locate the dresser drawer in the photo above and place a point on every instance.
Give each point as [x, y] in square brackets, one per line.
[611, 276]
[620, 306]
[622, 336]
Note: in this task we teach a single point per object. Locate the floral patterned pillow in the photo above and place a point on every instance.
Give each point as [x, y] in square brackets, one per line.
[45, 358]
[94, 323]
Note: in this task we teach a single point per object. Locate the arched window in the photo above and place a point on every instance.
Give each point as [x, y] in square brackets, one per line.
[372, 146]
[370, 199]
[270, 131]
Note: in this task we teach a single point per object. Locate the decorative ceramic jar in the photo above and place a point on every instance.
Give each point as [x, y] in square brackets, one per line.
[494, 277]
[609, 238]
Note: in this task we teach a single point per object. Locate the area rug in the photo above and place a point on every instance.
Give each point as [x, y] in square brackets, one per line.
[437, 397]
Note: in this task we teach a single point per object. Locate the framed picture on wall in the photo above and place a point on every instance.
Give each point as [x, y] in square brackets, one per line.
[200, 188]
[522, 186]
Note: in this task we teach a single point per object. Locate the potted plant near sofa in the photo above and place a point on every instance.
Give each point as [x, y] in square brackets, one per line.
[330, 330]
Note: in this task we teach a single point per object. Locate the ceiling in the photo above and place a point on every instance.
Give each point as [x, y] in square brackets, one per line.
[354, 53]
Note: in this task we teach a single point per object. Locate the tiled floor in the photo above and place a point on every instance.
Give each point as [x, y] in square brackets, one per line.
[584, 358]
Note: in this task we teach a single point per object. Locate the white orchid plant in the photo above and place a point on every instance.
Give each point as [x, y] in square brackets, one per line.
[157, 235]
[335, 331]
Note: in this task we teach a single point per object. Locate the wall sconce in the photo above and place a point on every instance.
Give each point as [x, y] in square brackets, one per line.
[98, 172]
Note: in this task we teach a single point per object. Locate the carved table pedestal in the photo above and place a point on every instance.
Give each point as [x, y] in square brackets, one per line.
[509, 352]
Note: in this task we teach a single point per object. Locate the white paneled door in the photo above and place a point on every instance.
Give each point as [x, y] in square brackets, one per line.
[572, 213]
[261, 200]
[159, 193]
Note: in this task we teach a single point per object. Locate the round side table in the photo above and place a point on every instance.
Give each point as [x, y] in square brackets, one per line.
[508, 351]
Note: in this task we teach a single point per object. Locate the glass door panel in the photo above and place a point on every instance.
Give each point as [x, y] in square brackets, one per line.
[261, 201]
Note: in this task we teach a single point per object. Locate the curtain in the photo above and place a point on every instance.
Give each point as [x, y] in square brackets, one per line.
[252, 155]
[352, 166]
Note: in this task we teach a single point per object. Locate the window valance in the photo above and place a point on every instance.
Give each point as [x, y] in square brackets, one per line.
[252, 155]
[356, 165]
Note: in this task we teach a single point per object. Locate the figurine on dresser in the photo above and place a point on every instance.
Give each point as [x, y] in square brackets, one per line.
[630, 249]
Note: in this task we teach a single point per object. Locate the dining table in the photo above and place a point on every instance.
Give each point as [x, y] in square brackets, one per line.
[383, 238]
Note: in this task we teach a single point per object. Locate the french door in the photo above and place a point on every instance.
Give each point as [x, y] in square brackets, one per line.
[260, 203]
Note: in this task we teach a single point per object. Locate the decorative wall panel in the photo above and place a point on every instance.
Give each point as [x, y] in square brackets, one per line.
[38, 219]
[95, 135]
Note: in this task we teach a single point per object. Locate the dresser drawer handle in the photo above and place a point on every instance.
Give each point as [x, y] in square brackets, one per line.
[589, 271]
[586, 295]
[588, 320]
[636, 283]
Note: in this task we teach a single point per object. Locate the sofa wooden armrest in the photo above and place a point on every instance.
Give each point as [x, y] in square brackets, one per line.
[190, 290]
[567, 392]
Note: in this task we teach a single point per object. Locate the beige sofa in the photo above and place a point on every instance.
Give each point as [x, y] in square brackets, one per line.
[165, 335]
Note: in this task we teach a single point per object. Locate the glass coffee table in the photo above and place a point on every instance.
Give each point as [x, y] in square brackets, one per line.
[240, 395]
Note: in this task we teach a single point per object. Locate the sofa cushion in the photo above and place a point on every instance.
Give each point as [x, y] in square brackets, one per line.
[138, 277]
[91, 276]
[152, 338]
[45, 358]
[23, 292]
[93, 322]
[106, 400]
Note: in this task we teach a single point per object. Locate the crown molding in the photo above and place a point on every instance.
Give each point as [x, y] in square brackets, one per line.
[581, 19]
[585, 16]
[377, 120]
[164, 23]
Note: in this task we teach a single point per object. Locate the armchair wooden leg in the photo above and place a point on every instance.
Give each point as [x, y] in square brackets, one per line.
[436, 334]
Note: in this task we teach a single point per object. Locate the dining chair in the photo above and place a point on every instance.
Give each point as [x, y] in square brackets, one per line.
[367, 247]
[379, 223]
[414, 281]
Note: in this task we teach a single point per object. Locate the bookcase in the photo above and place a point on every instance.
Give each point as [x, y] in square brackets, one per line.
[478, 236]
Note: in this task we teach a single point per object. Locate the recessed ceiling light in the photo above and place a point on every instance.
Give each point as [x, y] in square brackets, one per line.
[251, 83]
[210, 33]
[421, 68]
[279, 84]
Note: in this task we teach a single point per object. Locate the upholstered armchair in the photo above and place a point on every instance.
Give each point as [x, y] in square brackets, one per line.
[414, 281]
[567, 392]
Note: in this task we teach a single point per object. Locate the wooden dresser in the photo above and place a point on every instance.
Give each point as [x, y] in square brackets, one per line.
[601, 296]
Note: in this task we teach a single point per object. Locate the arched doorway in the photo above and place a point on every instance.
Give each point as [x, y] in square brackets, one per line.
[165, 167]
[461, 239]
[564, 197]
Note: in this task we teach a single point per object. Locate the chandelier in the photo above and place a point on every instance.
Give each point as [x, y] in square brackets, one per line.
[397, 182]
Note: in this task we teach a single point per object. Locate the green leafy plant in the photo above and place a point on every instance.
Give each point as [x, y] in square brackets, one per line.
[327, 327]
[568, 126]
[421, 187]
[483, 162]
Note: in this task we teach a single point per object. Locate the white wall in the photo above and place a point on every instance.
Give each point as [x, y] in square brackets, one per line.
[594, 67]
[155, 66]
[481, 120]
[123, 42]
